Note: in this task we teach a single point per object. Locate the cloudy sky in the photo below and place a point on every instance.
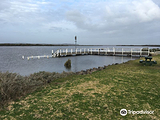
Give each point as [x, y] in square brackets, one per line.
[93, 21]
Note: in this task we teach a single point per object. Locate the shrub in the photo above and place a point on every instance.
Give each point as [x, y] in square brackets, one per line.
[14, 86]
[154, 49]
[68, 63]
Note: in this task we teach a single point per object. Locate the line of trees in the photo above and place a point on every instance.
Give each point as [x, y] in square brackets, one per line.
[29, 44]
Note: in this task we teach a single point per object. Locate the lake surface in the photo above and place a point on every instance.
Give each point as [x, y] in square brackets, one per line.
[11, 59]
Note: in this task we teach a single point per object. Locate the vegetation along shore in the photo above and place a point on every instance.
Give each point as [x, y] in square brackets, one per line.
[98, 93]
[65, 44]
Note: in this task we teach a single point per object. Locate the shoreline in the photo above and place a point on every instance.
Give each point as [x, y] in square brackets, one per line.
[37, 44]
[37, 80]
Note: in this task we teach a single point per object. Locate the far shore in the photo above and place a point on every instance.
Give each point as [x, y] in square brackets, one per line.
[65, 44]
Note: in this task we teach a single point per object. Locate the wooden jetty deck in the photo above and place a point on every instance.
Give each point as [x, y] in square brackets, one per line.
[95, 51]
[101, 51]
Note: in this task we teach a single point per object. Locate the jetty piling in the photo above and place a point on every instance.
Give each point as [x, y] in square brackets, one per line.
[52, 52]
[23, 57]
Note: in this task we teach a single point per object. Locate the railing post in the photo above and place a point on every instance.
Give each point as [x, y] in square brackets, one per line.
[66, 51]
[114, 50]
[98, 51]
[84, 50]
[148, 51]
[80, 51]
[71, 51]
[52, 53]
[60, 52]
[88, 51]
[57, 53]
[141, 52]
[122, 51]
[91, 51]
[23, 57]
[131, 51]
[76, 50]
[106, 51]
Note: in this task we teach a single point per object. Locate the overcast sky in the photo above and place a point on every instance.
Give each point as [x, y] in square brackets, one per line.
[107, 22]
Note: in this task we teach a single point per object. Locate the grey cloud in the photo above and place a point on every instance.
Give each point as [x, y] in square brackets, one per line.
[156, 2]
[56, 29]
[81, 21]
[76, 17]
[4, 5]
[102, 21]
[114, 17]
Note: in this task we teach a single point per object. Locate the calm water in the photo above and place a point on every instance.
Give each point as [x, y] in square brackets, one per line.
[11, 60]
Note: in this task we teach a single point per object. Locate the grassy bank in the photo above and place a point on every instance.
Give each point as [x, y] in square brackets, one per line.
[100, 95]
[14, 86]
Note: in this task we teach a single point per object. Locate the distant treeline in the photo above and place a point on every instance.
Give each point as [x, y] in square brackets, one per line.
[36, 44]
[141, 45]
[29, 44]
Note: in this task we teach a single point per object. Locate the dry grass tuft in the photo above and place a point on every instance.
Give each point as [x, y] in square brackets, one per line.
[13, 86]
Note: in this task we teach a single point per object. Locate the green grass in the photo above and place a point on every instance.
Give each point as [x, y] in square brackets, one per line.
[14, 86]
[100, 95]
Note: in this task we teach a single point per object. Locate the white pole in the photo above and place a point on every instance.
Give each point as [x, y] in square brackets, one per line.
[122, 51]
[106, 50]
[76, 50]
[80, 51]
[131, 51]
[113, 50]
[98, 51]
[148, 51]
[60, 52]
[57, 53]
[84, 50]
[52, 53]
[71, 51]
[91, 51]
[141, 52]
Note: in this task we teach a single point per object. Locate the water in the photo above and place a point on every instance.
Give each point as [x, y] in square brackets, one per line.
[11, 60]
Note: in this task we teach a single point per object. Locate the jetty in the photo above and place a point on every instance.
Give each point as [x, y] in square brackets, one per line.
[100, 51]
[129, 52]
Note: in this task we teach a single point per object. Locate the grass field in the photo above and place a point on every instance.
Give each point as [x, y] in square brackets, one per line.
[100, 95]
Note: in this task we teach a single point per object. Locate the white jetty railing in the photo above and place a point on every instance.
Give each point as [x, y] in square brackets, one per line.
[94, 51]
[98, 51]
